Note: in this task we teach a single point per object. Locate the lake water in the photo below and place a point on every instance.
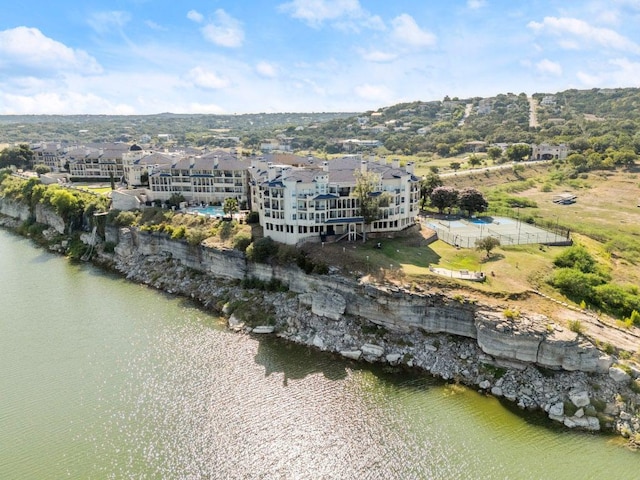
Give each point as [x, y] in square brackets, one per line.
[104, 379]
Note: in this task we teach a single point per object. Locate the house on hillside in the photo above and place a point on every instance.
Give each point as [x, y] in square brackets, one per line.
[545, 151]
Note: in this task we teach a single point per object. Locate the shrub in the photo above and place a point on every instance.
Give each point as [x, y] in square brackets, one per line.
[179, 233]
[109, 247]
[575, 326]
[195, 236]
[262, 250]
[253, 217]
[574, 283]
[576, 257]
[511, 314]
[241, 241]
[125, 219]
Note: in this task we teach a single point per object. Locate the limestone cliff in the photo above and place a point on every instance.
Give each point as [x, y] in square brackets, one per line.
[527, 339]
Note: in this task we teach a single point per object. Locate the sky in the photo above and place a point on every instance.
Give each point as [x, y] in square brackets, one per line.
[255, 56]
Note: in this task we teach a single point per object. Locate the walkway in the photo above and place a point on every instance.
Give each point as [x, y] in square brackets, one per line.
[461, 274]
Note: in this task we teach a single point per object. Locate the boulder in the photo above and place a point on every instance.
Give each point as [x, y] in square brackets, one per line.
[579, 398]
[262, 329]
[372, 350]
[393, 358]
[496, 391]
[317, 341]
[619, 375]
[485, 384]
[556, 412]
[352, 354]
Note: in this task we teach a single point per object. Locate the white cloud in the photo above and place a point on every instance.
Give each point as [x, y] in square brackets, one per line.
[548, 67]
[154, 26]
[373, 92]
[28, 48]
[195, 16]
[266, 69]
[476, 4]
[206, 79]
[344, 14]
[104, 22]
[584, 33]
[619, 72]
[225, 30]
[61, 103]
[378, 56]
[408, 32]
[195, 107]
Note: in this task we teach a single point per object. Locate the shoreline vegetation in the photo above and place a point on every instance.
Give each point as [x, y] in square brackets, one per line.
[607, 400]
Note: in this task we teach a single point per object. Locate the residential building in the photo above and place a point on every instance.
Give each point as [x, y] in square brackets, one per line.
[318, 202]
[545, 151]
[209, 178]
[48, 154]
[96, 161]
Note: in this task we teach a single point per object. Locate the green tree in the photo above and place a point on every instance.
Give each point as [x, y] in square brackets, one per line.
[455, 166]
[444, 197]
[494, 153]
[472, 201]
[230, 206]
[487, 244]
[366, 191]
[427, 185]
[19, 157]
[474, 160]
[175, 200]
[41, 169]
[518, 152]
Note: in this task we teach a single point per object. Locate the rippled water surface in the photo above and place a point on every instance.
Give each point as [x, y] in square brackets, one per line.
[100, 378]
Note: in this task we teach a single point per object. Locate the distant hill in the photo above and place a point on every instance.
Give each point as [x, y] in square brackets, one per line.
[606, 117]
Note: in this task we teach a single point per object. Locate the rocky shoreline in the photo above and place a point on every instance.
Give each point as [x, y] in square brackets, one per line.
[570, 380]
[586, 400]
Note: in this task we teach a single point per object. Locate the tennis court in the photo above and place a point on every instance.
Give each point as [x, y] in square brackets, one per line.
[464, 232]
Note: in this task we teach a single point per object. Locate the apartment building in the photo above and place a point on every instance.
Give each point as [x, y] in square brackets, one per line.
[317, 202]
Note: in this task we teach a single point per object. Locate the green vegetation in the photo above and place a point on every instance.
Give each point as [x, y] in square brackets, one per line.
[487, 244]
[575, 326]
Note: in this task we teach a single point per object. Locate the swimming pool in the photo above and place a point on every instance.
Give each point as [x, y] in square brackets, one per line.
[212, 211]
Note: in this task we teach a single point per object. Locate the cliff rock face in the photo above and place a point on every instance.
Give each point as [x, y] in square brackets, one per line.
[21, 212]
[535, 340]
[520, 341]
[14, 209]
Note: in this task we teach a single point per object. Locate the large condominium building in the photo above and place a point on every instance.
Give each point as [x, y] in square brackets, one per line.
[316, 200]
[208, 178]
[96, 162]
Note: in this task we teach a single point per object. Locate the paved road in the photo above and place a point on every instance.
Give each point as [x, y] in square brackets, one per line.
[533, 116]
[502, 166]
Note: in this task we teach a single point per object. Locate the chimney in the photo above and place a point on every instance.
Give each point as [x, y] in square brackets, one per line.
[382, 160]
[216, 161]
[272, 172]
[409, 167]
[363, 166]
[395, 163]
[325, 166]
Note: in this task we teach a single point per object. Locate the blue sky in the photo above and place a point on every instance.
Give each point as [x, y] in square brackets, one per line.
[224, 56]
